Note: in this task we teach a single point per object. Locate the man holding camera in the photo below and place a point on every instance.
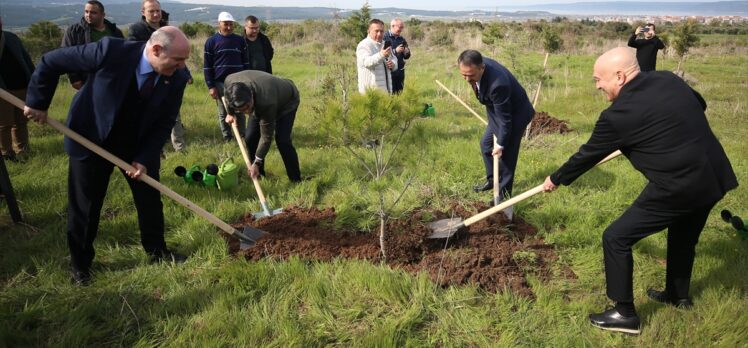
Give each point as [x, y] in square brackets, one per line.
[646, 47]
[400, 50]
[374, 60]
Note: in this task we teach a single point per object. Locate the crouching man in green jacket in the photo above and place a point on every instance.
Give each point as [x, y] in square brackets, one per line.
[272, 103]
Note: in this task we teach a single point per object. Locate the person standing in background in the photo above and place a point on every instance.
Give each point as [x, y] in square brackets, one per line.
[374, 60]
[259, 48]
[225, 54]
[400, 50]
[153, 18]
[15, 72]
[93, 27]
[646, 47]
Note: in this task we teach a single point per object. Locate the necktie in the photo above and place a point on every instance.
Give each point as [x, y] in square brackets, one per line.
[475, 88]
[146, 90]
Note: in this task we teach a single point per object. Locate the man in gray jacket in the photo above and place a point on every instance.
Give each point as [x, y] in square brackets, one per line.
[274, 101]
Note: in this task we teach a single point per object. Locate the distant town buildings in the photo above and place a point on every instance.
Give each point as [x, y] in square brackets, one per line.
[671, 19]
[631, 19]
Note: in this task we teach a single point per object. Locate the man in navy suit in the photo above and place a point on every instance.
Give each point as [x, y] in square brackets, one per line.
[658, 122]
[509, 111]
[128, 106]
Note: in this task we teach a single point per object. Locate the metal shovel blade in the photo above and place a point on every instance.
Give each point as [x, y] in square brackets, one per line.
[445, 228]
[267, 213]
[248, 237]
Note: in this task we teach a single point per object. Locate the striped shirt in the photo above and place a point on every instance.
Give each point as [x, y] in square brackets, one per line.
[224, 55]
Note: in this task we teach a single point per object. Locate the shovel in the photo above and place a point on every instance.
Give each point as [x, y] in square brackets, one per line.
[247, 237]
[446, 228]
[266, 212]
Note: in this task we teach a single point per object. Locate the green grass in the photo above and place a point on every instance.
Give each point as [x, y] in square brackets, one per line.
[217, 300]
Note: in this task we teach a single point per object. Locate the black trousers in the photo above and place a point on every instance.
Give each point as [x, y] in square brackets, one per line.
[684, 229]
[87, 185]
[398, 81]
[507, 161]
[283, 129]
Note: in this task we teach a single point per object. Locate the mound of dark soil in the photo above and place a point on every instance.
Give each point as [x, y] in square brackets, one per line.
[543, 123]
[492, 253]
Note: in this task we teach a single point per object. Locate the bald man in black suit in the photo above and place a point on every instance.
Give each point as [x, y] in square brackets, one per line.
[658, 122]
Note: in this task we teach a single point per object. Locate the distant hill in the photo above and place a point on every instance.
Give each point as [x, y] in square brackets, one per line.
[22, 13]
[719, 8]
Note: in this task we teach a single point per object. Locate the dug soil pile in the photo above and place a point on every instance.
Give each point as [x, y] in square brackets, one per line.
[493, 253]
[543, 123]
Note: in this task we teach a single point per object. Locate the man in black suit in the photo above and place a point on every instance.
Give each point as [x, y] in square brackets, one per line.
[128, 106]
[658, 122]
[509, 111]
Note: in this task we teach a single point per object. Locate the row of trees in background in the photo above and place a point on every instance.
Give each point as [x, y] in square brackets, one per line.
[550, 36]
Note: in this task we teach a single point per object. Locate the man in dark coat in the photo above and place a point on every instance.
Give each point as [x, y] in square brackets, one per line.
[658, 123]
[92, 27]
[128, 107]
[15, 71]
[400, 50]
[646, 47]
[259, 49]
[153, 18]
[509, 111]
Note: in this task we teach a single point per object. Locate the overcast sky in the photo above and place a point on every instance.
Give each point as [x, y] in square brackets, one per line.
[412, 4]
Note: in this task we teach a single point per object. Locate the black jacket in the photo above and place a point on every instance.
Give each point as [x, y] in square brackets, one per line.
[646, 51]
[267, 51]
[79, 34]
[141, 31]
[658, 123]
[394, 42]
[14, 46]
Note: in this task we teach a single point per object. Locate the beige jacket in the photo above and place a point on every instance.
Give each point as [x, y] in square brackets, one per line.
[372, 71]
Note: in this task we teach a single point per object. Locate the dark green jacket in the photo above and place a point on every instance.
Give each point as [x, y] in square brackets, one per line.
[14, 45]
[80, 34]
[274, 97]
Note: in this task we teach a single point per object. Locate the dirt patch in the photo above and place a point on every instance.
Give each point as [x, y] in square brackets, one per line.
[493, 253]
[543, 123]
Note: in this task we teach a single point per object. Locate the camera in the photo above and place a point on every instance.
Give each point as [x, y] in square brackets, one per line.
[645, 29]
[387, 44]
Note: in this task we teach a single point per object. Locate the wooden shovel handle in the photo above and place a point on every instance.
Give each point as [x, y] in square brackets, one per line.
[521, 197]
[495, 158]
[461, 102]
[245, 153]
[125, 166]
[495, 173]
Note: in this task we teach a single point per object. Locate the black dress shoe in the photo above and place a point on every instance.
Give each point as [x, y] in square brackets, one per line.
[614, 321]
[167, 256]
[302, 179]
[483, 187]
[663, 297]
[80, 277]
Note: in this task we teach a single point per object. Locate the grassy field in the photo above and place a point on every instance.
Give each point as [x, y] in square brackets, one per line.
[215, 299]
